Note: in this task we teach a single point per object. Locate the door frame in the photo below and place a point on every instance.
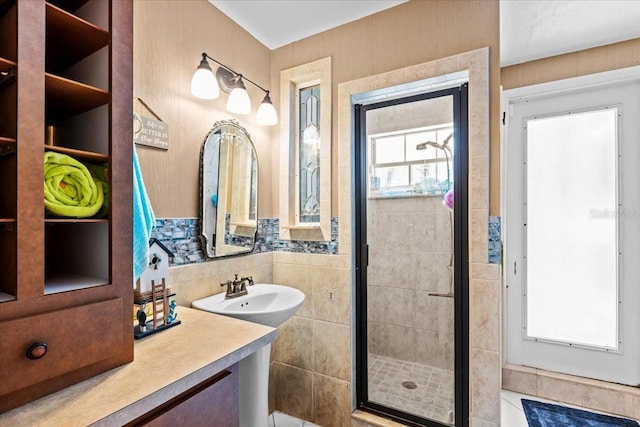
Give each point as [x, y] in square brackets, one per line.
[461, 264]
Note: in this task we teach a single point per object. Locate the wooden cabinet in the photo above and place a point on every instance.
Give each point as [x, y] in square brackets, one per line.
[213, 403]
[66, 87]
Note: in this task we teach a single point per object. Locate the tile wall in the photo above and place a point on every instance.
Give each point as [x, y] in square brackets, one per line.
[409, 250]
[311, 359]
[180, 236]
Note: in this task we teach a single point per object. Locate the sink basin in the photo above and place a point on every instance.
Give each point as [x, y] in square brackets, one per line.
[266, 304]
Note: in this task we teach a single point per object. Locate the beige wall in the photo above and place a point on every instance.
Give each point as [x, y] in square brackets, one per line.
[580, 63]
[169, 37]
[414, 32]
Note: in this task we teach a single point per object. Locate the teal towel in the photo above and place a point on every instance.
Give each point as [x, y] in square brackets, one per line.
[143, 221]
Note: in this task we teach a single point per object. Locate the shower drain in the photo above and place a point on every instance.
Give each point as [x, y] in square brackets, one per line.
[410, 385]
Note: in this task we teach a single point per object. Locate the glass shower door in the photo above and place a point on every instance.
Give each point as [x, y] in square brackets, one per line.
[408, 232]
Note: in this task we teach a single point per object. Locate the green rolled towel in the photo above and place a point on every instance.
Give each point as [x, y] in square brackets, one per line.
[69, 188]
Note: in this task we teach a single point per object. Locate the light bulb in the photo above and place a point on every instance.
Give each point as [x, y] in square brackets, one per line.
[203, 82]
[239, 102]
[266, 114]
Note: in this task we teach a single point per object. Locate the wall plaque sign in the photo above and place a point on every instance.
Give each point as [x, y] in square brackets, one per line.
[152, 132]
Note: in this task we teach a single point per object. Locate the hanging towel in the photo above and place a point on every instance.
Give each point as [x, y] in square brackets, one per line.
[143, 221]
[69, 188]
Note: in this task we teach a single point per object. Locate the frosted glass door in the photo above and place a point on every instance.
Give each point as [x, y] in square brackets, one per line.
[572, 228]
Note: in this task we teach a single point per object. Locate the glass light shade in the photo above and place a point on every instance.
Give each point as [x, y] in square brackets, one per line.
[266, 114]
[239, 101]
[203, 82]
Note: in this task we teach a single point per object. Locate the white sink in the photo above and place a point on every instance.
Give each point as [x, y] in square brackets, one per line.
[267, 304]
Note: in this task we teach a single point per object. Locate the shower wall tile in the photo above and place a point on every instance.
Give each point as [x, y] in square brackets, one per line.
[476, 422]
[433, 350]
[427, 314]
[331, 349]
[636, 407]
[392, 306]
[332, 402]
[485, 385]
[294, 345]
[485, 316]
[479, 229]
[484, 271]
[431, 271]
[479, 183]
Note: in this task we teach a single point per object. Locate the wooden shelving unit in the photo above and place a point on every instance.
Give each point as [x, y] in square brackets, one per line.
[75, 272]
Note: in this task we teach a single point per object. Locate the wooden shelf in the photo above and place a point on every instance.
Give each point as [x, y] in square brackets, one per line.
[63, 27]
[6, 64]
[4, 297]
[7, 221]
[58, 220]
[7, 146]
[79, 154]
[67, 282]
[7, 72]
[68, 5]
[5, 5]
[66, 98]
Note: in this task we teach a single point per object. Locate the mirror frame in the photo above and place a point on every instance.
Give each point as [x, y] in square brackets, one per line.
[202, 236]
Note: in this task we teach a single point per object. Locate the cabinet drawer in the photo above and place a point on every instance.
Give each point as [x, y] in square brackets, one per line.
[74, 338]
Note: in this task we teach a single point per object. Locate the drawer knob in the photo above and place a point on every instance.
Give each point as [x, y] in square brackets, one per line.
[37, 350]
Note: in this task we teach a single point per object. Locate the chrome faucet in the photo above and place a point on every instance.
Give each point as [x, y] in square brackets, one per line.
[237, 287]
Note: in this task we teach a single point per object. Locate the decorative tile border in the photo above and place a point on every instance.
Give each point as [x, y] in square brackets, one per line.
[495, 240]
[180, 236]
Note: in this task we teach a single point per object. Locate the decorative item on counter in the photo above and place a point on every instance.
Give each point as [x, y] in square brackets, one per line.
[173, 315]
[157, 269]
[70, 190]
[152, 289]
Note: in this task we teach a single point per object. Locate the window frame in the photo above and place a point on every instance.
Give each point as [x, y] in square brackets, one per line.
[291, 80]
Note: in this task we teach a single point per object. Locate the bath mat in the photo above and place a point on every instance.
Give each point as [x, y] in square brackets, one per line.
[547, 415]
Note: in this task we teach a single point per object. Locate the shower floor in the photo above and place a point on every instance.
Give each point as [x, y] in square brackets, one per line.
[431, 398]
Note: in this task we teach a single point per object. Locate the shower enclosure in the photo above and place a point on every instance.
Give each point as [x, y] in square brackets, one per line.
[411, 265]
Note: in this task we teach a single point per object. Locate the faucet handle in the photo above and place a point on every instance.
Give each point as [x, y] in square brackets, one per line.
[228, 284]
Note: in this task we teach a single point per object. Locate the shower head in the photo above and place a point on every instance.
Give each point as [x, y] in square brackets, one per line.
[443, 146]
[424, 145]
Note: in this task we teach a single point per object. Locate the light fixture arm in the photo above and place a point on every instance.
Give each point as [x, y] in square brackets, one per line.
[206, 56]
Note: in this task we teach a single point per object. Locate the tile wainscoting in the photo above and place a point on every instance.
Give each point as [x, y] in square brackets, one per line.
[180, 236]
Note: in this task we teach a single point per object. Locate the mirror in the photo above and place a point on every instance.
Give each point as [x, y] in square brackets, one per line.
[228, 191]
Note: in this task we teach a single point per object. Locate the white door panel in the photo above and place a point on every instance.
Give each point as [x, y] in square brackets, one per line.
[613, 353]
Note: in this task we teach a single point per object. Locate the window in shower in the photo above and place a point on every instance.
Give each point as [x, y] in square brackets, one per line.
[410, 292]
[412, 162]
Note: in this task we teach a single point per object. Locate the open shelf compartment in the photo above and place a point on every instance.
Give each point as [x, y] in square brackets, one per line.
[63, 26]
[8, 261]
[77, 255]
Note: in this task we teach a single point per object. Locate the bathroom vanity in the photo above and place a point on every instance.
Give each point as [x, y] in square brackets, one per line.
[184, 372]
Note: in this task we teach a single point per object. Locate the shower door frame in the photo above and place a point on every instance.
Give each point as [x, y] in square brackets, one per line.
[461, 264]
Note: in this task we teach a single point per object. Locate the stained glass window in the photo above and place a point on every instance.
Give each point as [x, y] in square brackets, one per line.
[309, 155]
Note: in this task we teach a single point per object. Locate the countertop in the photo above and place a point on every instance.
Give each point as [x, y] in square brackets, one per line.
[165, 365]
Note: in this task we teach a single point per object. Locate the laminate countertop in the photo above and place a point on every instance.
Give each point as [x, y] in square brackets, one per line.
[165, 365]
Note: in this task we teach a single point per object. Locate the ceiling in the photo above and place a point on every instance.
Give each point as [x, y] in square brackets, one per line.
[529, 29]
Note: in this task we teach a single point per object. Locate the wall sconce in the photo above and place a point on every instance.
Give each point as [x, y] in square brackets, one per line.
[206, 85]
